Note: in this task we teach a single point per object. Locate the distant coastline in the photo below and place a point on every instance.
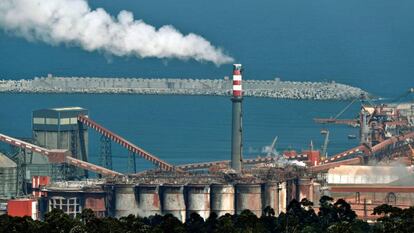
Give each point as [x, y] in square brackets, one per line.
[165, 86]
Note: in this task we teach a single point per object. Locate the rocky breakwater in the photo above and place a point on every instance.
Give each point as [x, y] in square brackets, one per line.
[218, 87]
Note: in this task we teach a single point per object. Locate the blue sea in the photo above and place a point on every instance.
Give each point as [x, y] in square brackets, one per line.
[368, 44]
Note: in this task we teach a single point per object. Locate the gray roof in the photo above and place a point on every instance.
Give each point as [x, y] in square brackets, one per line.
[6, 162]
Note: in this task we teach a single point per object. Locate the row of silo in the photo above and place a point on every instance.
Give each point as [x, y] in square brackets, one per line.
[182, 200]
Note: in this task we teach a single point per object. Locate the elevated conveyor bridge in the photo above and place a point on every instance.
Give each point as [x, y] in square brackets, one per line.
[126, 144]
[57, 156]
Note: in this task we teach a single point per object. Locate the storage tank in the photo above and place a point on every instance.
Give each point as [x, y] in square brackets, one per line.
[282, 197]
[305, 189]
[249, 196]
[8, 177]
[292, 192]
[172, 201]
[125, 200]
[148, 200]
[222, 199]
[198, 200]
[271, 196]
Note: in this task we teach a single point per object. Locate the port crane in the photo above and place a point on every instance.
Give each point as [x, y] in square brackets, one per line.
[324, 152]
[336, 120]
[272, 149]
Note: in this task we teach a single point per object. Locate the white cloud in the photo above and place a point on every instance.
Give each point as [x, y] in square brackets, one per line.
[73, 22]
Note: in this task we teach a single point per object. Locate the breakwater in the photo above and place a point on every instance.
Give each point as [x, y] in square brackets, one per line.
[218, 87]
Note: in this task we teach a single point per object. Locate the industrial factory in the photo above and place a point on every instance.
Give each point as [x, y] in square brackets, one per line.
[51, 169]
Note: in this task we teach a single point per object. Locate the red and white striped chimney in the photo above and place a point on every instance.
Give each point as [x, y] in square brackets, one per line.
[237, 81]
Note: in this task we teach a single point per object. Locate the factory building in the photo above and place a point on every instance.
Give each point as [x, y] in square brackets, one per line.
[122, 199]
[8, 177]
[366, 187]
[74, 196]
[58, 128]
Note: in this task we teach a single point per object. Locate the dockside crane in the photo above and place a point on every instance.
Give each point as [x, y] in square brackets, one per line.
[364, 100]
[336, 120]
[325, 132]
[272, 149]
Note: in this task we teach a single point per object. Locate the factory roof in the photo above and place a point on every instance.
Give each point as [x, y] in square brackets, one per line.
[74, 185]
[6, 162]
[371, 170]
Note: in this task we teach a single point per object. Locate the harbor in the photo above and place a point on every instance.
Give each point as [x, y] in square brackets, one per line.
[53, 169]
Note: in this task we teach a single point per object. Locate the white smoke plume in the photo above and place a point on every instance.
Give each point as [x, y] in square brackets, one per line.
[73, 22]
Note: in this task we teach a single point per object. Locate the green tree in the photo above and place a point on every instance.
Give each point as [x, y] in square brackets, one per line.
[195, 223]
[248, 222]
[170, 224]
[57, 221]
[394, 219]
[20, 224]
[211, 223]
[225, 224]
[133, 223]
[268, 219]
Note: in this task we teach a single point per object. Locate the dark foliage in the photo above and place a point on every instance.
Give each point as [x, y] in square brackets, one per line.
[394, 219]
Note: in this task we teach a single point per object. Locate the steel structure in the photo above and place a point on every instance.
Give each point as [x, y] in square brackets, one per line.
[132, 163]
[351, 122]
[106, 152]
[329, 165]
[205, 165]
[352, 156]
[59, 156]
[126, 144]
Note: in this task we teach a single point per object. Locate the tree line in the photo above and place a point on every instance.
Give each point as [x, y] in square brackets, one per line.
[300, 217]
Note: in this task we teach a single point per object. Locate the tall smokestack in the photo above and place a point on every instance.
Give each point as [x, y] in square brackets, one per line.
[237, 131]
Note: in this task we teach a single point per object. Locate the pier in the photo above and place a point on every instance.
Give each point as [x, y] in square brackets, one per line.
[275, 88]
